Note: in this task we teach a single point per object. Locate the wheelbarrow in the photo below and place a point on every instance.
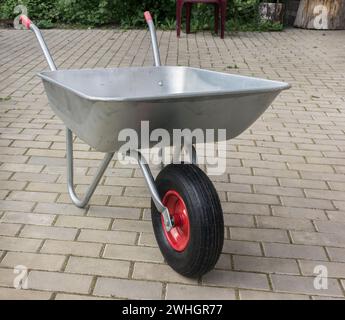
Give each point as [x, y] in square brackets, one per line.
[96, 104]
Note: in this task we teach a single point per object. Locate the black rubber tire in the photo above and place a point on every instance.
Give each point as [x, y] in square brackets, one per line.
[205, 218]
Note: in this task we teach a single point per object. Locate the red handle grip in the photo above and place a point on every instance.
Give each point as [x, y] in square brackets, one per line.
[147, 16]
[25, 21]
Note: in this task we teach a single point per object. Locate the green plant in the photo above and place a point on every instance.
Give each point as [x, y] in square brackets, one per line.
[6, 9]
[38, 10]
[242, 14]
[167, 24]
[45, 24]
[88, 12]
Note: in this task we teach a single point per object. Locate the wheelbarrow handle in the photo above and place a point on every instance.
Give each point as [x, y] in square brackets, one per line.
[147, 16]
[154, 42]
[25, 21]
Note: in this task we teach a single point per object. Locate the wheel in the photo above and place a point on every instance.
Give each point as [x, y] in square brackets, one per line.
[192, 247]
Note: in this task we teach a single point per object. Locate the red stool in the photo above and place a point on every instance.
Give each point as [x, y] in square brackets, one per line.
[219, 8]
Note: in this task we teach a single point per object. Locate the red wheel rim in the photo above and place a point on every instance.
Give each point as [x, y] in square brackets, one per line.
[178, 236]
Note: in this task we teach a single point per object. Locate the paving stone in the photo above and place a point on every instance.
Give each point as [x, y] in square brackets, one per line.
[28, 218]
[159, 272]
[57, 208]
[16, 205]
[336, 254]
[15, 294]
[7, 277]
[130, 225]
[340, 205]
[253, 180]
[275, 190]
[301, 183]
[275, 172]
[131, 289]
[71, 247]
[326, 298]
[32, 196]
[122, 201]
[19, 244]
[45, 187]
[132, 253]
[117, 237]
[242, 247]
[66, 296]
[224, 262]
[53, 281]
[307, 203]
[318, 238]
[280, 250]
[336, 215]
[252, 234]
[147, 239]
[37, 177]
[99, 267]
[266, 265]
[16, 167]
[11, 185]
[185, 292]
[96, 199]
[334, 269]
[48, 232]
[324, 194]
[284, 223]
[245, 208]
[48, 262]
[220, 278]
[83, 222]
[114, 212]
[238, 220]
[9, 229]
[304, 213]
[330, 227]
[253, 198]
[304, 285]
[263, 295]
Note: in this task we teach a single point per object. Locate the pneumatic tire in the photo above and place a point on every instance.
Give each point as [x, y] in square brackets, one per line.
[192, 247]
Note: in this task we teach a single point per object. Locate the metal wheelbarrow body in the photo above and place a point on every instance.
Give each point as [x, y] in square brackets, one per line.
[97, 104]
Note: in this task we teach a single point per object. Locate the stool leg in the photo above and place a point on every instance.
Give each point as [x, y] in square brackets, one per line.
[216, 18]
[188, 15]
[222, 18]
[179, 5]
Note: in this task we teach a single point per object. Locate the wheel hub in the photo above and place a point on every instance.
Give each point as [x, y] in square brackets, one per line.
[178, 236]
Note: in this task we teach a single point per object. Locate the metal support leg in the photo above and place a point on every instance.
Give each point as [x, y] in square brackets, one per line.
[145, 169]
[81, 203]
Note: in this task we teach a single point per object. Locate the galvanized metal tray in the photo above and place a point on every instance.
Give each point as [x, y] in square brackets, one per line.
[96, 104]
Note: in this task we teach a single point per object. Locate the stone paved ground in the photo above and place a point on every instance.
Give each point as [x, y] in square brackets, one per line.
[283, 194]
